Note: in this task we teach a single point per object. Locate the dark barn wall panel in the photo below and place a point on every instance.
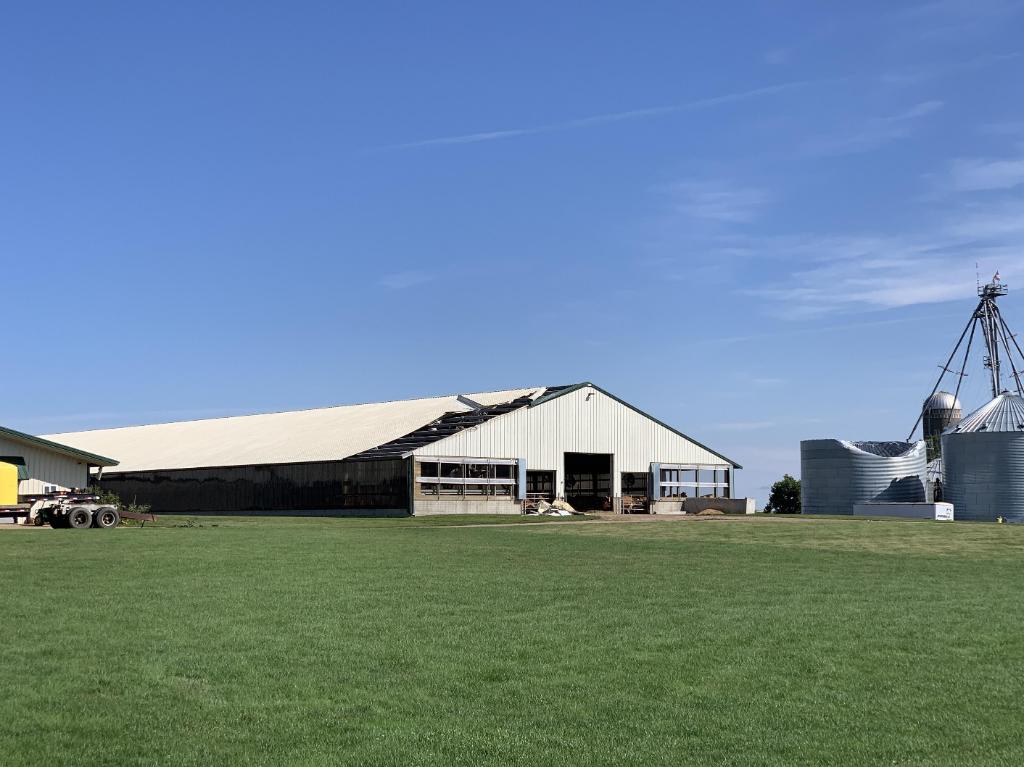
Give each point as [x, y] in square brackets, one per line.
[327, 486]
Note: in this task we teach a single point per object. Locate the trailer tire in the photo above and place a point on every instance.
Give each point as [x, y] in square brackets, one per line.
[79, 517]
[106, 517]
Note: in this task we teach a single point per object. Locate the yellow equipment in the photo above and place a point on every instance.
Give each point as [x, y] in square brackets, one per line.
[8, 484]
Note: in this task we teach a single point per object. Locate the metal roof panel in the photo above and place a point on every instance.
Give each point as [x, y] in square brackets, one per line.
[320, 434]
[1004, 413]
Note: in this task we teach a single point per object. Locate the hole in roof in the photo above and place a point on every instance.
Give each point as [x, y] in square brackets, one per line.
[884, 449]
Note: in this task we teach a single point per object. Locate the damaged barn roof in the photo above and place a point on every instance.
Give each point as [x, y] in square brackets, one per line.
[302, 436]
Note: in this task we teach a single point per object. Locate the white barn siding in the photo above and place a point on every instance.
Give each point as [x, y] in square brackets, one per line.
[46, 467]
[573, 424]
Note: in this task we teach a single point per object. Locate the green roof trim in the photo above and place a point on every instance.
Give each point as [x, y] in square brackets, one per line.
[90, 458]
[576, 387]
[17, 460]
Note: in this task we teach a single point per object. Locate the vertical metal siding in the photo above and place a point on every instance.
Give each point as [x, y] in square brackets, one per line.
[835, 475]
[984, 475]
[573, 423]
[46, 468]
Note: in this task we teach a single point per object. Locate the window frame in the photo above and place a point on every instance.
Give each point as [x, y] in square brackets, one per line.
[455, 478]
[680, 480]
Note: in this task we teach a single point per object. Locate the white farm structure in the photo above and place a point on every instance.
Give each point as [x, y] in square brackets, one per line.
[487, 452]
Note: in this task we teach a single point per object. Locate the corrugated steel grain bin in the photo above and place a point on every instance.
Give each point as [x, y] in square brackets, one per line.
[836, 474]
[984, 462]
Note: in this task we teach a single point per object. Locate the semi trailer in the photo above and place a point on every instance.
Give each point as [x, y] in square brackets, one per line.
[72, 510]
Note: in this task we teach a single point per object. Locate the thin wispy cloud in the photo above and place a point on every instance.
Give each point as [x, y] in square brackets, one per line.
[758, 425]
[873, 133]
[717, 201]
[839, 273]
[1004, 128]
[919, 75]
[980, 174]
[743, 425]
[999, 223]
[816, 329]
[602, 119]
[407, 279]
[953, 20]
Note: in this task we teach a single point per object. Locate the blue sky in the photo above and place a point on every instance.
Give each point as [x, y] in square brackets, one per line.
[758, 221]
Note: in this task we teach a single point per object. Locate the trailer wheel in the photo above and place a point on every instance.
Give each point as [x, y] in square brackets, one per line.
[106, 517]
[79, 518]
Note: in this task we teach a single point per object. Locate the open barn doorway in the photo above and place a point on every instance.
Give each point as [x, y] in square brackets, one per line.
[588, 481]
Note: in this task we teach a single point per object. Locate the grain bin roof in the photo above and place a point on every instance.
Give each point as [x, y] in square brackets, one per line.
[321, 434]
[1004, 413]
[942, 400]
[888, 449]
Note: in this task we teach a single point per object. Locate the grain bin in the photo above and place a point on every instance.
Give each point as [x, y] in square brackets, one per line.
[984, 461]
[940, 411]
[835, 474]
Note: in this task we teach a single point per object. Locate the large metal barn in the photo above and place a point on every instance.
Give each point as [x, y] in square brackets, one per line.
[468, 453]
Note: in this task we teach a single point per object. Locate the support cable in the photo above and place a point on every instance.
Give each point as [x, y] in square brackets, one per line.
[945, 368]
[1002, 332]
[1012, 337]
[963, 366]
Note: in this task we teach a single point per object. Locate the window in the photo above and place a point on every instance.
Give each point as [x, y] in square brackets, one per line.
[540, 484]
[477, 470]
[678, 482]
[452, 470]
[634, 483]
[693, 482]
[722, 482]
[479, 478]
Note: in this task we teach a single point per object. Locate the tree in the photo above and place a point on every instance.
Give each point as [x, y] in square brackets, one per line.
[785, 497]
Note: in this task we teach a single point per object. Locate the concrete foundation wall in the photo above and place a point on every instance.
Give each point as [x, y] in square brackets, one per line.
[668, 506]
[295, 513]
[728, 505]
[695, 505]
[902, 510]
[424, 507]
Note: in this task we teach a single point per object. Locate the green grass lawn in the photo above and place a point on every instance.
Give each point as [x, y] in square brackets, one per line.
[404, 642]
